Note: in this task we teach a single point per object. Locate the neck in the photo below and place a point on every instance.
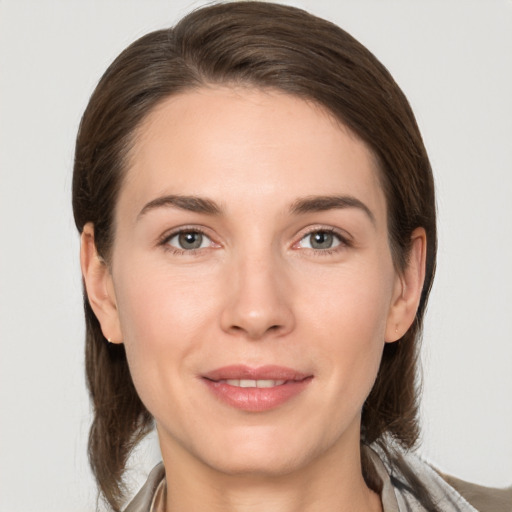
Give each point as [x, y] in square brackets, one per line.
[333, 482]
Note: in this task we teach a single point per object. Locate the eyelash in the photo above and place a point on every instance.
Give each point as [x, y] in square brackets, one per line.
[344, 242]
[164, 242]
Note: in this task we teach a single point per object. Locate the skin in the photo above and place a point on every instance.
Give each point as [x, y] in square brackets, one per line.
[258, 291]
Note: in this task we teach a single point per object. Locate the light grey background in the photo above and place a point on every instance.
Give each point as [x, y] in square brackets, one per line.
[453, 60]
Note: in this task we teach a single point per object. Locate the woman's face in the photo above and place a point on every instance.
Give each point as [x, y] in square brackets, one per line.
[251, 281]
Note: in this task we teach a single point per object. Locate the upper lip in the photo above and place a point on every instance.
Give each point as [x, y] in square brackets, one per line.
[268, 372]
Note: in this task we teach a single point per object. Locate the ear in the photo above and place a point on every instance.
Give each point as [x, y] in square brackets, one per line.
[99, 286]
[408, 288]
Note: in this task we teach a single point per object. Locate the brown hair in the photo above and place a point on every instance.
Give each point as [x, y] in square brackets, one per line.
[269, 46]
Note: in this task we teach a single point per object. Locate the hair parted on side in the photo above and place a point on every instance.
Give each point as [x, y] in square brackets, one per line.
[263, 45]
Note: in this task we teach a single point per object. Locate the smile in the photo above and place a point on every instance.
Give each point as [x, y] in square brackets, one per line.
[256, 389]
[247, 383]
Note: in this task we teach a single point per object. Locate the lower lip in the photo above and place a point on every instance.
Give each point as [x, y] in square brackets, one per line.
[257, 399]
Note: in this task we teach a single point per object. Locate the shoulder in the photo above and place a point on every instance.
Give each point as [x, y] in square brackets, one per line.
[484, 499]
[480, 498]
[409, 481]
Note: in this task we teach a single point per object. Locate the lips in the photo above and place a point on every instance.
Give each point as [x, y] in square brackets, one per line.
[256, 389]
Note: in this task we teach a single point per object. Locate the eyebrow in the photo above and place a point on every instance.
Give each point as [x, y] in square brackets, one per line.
[309, 204]
[324, 203]
[188, 203]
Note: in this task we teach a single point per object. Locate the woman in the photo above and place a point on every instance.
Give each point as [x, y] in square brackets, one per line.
[257, 216]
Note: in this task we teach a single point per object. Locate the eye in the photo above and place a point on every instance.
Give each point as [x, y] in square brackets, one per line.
[320, 240]
[189, 240]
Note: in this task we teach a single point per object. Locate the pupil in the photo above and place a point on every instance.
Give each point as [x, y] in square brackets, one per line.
[321, 240]
[190, 240]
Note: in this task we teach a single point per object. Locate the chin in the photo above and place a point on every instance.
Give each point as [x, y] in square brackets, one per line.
[262, 465]
[262, 454]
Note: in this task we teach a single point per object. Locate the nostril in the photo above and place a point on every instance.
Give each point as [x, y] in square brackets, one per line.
[255, 332]
[256, 315]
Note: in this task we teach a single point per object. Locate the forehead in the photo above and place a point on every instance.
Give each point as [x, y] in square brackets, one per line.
[239, 143]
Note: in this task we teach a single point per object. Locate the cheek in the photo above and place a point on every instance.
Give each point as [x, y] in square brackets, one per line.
[348, 316]
[163, 320]
[351, 303]
[155, 303]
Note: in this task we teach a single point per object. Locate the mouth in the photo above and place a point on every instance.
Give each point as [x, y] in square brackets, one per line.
[256, 389]
[248, 383]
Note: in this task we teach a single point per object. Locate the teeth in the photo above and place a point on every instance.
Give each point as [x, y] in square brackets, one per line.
[248, 383]
[268, 383]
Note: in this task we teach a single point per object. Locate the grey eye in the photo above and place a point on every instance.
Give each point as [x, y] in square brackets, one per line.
[320, 240]
[189, 240]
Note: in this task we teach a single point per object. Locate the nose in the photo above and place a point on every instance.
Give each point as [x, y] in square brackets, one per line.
[258, 300]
